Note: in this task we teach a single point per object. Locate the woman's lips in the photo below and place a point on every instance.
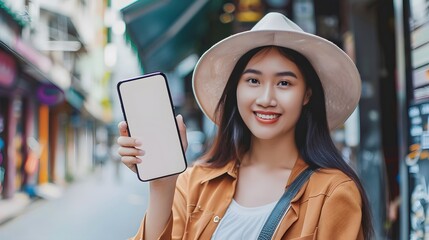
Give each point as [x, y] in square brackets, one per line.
[267, 117]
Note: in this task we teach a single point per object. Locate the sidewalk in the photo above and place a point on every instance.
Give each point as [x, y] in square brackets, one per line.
[10, 208]
[21, 202]
[104, 205]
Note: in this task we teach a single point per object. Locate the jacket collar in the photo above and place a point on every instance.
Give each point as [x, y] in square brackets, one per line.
[231, 168]
[300, 166]
[292, 215]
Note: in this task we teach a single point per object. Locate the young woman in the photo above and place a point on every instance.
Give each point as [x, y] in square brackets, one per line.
[274, 92]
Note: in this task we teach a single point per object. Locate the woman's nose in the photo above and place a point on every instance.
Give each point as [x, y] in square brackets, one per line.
[266, 97]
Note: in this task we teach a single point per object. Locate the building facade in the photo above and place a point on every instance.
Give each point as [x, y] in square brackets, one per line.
[54, 92]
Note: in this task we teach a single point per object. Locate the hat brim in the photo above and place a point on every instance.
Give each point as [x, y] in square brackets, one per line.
[337, 72]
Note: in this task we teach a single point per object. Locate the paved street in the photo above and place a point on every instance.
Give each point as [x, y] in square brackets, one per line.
[106, 205]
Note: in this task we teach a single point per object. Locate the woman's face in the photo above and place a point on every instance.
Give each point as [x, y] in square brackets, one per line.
[270, 95]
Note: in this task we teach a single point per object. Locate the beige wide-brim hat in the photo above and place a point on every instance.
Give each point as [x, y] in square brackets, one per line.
[337, 72]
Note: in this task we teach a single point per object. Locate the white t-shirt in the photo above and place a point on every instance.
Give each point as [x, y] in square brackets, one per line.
[242, 222]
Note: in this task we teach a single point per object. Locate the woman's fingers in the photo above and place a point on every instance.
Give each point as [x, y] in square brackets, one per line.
[122, 126]
[128, 147]
[130, 162]
[128, 142]
[182, 131]
[130, 151]
[128, 155]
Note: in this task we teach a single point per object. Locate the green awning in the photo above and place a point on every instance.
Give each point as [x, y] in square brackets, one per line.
[21, 19]
[166, 32]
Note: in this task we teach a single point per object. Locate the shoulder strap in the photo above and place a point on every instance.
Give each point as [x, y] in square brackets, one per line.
[283, 205]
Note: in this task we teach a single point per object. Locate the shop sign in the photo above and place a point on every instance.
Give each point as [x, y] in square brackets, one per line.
[74, 98]
[7, 70]
[249, 11]
[417, 161]
[421, 77]
[49, 94]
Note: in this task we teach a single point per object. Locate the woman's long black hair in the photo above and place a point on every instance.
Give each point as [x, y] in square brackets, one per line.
[312, 134]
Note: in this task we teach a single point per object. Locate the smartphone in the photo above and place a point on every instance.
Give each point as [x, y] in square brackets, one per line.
[149, 112]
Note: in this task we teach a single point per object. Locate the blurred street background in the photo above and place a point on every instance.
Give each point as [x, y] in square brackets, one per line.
[60, 61]
[104, 205]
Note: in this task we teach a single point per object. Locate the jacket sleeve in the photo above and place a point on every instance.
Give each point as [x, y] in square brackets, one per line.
[341, 214]
[176, 223]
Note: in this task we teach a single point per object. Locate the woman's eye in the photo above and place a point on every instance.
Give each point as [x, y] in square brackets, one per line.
[284, 83]
[253, 81]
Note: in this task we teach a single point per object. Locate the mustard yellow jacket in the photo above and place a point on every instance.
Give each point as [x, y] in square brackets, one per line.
[328, 206]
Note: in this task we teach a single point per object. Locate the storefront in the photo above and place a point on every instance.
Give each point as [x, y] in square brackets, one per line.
[412, 20]
[19, 120]
[8, 72]
[26, 94]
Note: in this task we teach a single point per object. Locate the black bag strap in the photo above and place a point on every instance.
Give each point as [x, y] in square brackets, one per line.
[283, 205]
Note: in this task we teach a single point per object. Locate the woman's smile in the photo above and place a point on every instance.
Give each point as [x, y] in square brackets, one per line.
[267, 117]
